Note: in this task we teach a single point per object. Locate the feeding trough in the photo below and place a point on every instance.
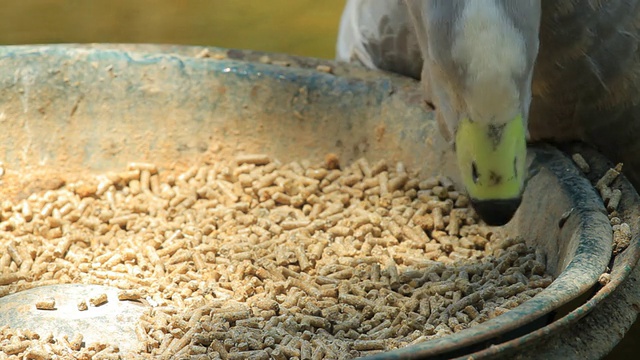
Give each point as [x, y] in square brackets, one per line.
[69, 109]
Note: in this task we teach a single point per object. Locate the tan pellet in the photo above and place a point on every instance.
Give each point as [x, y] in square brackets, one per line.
[256, 159]
[305, 286]
[325, 69]
[126, 176]
[145, 180]
[151, 168]
[46, 304]
[614, 200]
[37, 353]
[16, 348]
[438, 220]
[397, 182]
[172, 247]
[363, 345]
[378, 167]
[604, 279]
[608, 178]
[10, 278]
[133, 294]
[581, 163]
[5, 262]
[98, 300]
[253, 258]
[13, 252]
[303, 260]
[76, 341]
[122, 220]
[621, 237]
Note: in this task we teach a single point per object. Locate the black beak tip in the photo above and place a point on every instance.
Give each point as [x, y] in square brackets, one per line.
[496, 212]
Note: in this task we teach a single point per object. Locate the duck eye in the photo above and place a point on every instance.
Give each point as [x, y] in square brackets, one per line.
[474, 172]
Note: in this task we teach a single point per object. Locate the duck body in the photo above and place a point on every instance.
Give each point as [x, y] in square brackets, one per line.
[576, 75]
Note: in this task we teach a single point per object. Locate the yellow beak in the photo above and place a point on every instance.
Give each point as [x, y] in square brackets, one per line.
[491, 159]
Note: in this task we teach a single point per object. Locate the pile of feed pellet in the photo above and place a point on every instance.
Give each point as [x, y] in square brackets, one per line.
[611, 197]
[254, 259]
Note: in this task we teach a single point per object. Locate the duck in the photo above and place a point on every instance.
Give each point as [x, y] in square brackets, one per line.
[502, 74]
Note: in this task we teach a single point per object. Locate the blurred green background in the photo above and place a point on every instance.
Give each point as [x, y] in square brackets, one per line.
[301, 27]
